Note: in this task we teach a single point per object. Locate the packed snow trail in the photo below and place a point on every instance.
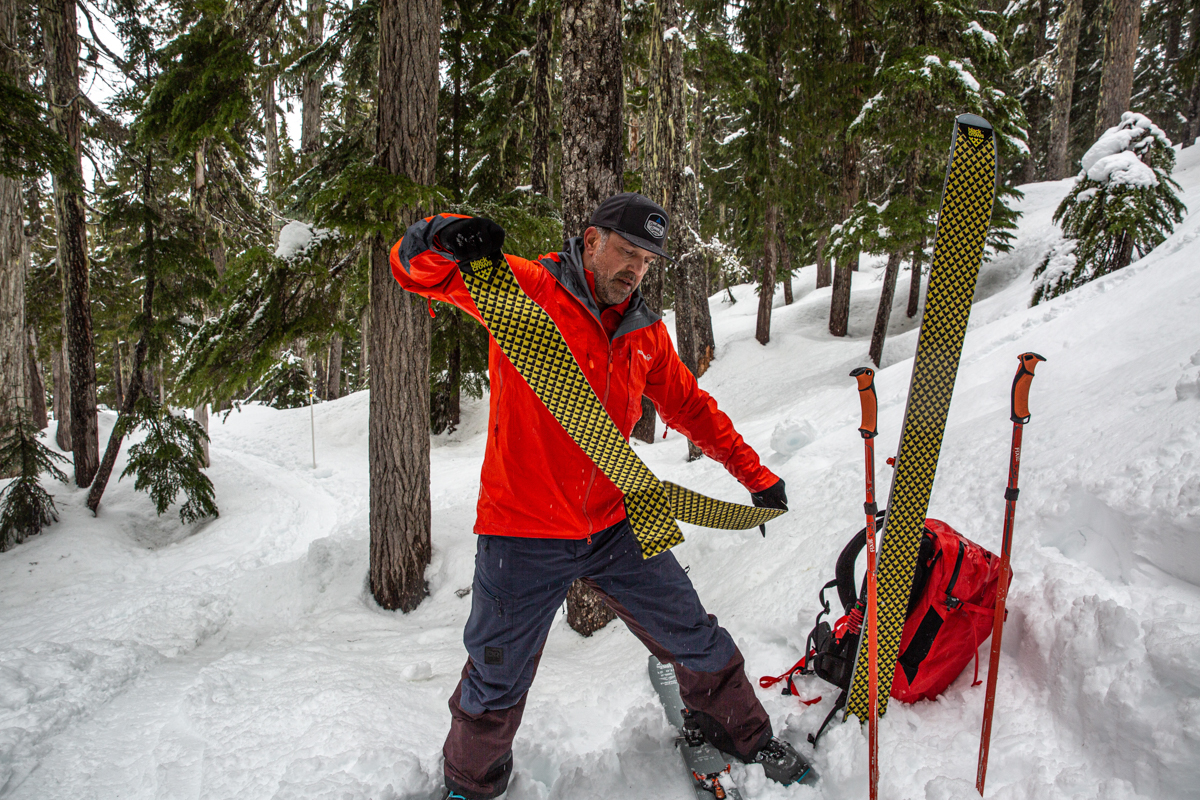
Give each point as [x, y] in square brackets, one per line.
[243, 657]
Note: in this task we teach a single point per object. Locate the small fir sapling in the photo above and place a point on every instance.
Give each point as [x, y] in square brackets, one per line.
[25, 507]
[169, 460]
[1123, 201]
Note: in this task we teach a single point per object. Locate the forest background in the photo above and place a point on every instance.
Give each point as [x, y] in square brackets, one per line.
[168, 241]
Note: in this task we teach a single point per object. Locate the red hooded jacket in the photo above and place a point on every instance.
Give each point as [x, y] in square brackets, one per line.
[537, 482]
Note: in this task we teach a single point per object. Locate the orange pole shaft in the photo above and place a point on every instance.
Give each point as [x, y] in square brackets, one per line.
[989, 703]
[872, 627]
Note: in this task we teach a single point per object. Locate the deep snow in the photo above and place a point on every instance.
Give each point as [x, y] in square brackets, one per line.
[244, 658]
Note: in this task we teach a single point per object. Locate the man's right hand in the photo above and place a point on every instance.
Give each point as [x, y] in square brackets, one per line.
[471, 238]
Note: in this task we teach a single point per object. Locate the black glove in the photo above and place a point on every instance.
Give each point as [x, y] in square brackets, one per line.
[471, 238]
[774, 496]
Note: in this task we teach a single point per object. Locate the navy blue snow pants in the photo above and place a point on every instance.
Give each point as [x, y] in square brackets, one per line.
[520, 584]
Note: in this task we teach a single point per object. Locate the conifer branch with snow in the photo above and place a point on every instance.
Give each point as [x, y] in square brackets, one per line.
[1124, 200]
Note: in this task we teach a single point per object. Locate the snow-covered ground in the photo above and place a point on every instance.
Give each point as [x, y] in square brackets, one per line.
[244, 657]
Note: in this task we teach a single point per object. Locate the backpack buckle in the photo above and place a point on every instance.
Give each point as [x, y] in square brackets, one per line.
[952, 602]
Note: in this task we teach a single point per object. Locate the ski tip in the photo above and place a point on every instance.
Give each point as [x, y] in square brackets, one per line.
[974, 120]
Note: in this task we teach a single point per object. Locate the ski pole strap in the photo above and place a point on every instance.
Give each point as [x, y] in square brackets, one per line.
[532, 342]
[1020, 387]
[870, 405]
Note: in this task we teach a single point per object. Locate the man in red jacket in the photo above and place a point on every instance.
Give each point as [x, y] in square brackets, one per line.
[548, 516]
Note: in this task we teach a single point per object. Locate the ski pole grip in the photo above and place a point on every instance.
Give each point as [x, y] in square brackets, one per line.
[866, 395]
[1020, 389]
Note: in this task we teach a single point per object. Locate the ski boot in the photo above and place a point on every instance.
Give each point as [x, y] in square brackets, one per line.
[781, 762]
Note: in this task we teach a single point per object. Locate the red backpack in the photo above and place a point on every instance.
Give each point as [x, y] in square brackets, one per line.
[950, 612]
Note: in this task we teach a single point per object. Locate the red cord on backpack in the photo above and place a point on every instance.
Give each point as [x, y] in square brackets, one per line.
[767, 681]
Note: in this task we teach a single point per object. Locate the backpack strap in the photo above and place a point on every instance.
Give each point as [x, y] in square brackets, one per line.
[838, 705]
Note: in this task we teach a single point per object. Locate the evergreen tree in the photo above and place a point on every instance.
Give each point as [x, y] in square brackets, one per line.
[1123, 202]
[168, 460]
[25, 507]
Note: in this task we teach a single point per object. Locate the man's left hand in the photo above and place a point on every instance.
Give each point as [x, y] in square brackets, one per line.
[774, 496]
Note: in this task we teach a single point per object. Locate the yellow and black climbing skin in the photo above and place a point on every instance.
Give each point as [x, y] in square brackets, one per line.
[962, 227]
[530, 339]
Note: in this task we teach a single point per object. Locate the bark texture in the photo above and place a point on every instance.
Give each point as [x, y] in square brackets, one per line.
[914, 285]
[766, 292]
[35, 386]
[1069, 24]
[333, 383]
[856, 57]
[62, 400]
[400, 332]
[310, 93]
[61, 38]
[543, 78]
[593, 165]
[13, 340]
[824, 274]
[593, 159]
[14, 369]
[270, 126]
[1120, 52]
[884, 313]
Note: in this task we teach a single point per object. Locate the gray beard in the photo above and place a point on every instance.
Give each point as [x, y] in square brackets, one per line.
[609, 292]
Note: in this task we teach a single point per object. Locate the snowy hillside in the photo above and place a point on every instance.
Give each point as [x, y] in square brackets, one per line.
[244, 658]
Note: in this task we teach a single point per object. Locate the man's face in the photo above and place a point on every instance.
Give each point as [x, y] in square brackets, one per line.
[618, 265]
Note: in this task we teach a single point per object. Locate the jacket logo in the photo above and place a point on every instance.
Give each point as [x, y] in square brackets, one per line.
[657, 225]
[643, 355]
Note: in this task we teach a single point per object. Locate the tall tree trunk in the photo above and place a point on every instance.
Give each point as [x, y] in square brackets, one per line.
[914, 285]
[310, 92]
[824, 274]
[62, 81]
[13, 340]
[785, 259]
[1035, 111]
[593, 158]
[14, 343]
[333, 382]
[200, 415]
[35, 386]
[543, 79]
[771, 101]
[138, 370]
[766, 294]
[62, 397]
[1120, 52]
[1192, 128]
[884, 313]
[137, 387]
[270, 126]
[706, 343]
[399, 343]
[593, 165]
[1069, 24]
[118, 378]
[856, 58]
[364, 347]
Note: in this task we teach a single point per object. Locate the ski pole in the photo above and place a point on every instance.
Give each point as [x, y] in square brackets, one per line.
[1020, 415]
[866, 395]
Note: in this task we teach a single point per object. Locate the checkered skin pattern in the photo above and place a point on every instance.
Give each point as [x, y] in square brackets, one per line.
[958, 250]
[531, 340]
[697, 509]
